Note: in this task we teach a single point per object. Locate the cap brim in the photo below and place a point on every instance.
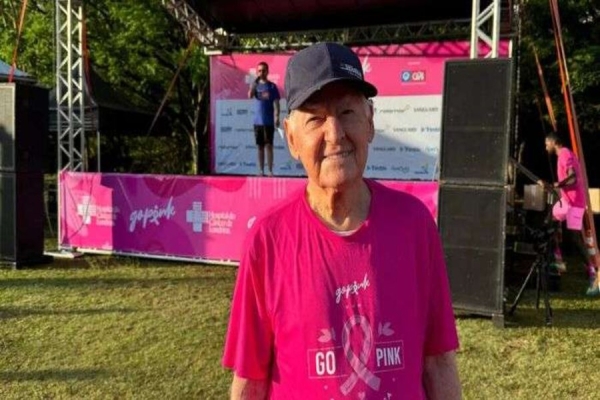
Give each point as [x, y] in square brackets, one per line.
[363, 86]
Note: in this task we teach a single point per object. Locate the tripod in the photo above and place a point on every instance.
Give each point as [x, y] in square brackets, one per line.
[543, 240]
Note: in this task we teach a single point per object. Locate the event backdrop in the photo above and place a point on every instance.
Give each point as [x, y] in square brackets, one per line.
[179, 217]
[407, 110]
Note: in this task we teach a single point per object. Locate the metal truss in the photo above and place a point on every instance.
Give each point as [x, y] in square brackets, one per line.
[192, 23]
[70, 91]
[485, 27]
[371, 35]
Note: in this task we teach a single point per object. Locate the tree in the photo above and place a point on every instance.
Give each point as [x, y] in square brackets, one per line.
[135, 46]
[581, 35]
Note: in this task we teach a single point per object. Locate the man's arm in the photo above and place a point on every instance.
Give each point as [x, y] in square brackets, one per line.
[440, 377]
[571, 179]
[248, 389]
[276, 110]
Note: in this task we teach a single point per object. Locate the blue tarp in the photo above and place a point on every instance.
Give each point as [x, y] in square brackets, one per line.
[18, 74]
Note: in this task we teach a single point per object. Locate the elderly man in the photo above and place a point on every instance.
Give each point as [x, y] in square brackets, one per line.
[342, 290]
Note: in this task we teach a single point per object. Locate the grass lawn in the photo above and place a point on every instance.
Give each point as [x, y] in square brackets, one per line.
[124, 328]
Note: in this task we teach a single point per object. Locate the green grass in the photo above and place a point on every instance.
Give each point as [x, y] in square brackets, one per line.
[124, 328]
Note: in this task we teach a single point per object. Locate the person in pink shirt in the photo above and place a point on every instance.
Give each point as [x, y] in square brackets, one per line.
[572, 202]
[342, 291]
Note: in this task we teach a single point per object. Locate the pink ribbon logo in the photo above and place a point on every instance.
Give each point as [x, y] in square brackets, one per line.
[358, 362]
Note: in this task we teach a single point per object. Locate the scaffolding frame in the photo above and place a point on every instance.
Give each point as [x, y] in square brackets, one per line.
[485, 27]
[70, 89]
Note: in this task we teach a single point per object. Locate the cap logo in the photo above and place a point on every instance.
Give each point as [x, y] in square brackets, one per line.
[352, 70]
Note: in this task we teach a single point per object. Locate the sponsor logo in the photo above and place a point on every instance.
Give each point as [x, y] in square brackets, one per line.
[244, 130]
[423, 170]
[405, 130]
[430, 129]
[227, 164]
[242, 112]
[217, 222]
[384, 149]
[104, 215]
[151, 215]
[247, 164]
[378, 168]
[409, 149]
[399, 110]
[413, 76]
[426, 109]
[226, 129]
[227, 112]
[401, 168]
[228, 147]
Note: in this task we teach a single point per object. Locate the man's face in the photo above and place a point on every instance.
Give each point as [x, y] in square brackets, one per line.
[330, 134]
[262, 71]
[550, 146]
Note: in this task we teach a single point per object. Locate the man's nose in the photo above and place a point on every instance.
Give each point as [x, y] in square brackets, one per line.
[334, 131]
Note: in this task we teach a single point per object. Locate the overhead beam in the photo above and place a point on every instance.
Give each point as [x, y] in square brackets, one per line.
[192, 23]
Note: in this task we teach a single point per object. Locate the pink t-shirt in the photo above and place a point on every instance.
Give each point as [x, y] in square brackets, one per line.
[325, 316]
[574, 193]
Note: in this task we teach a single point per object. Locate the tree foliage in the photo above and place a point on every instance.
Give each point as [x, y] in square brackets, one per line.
[581, 35]
[135, 46]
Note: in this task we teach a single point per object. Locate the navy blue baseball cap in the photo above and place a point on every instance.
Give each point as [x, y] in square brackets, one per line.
[309, 70]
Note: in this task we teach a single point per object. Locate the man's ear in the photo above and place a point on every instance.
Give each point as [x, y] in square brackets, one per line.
[371, 122]
[289, 134]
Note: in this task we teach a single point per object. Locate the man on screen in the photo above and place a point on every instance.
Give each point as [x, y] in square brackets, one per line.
[266, 115]
[342, 289]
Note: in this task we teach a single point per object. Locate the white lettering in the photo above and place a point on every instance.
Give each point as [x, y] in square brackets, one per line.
[151, 215]
[379, 353]
[388, 356]
[325, 363]
[351, 289]
[320, 363]
[330, 362]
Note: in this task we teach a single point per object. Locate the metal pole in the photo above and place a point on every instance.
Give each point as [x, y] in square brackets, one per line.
[474, 29]
[496, 29]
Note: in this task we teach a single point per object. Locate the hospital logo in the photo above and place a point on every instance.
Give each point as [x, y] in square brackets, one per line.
[104, 215]
[413, 76]
[215, 222]
[86, 210]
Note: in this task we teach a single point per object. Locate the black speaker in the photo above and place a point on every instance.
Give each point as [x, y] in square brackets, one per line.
[476, 121]
[23, 133]
[21, 218]
[472, 224]
[23, 127]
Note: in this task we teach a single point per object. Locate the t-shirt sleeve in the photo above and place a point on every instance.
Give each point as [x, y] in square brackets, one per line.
[276, 95]
[440, 332]
[249, 339]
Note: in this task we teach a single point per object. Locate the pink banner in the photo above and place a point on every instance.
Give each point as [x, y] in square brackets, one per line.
[183, 217]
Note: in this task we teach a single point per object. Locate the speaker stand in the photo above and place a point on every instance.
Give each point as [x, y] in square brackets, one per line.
[541, 269]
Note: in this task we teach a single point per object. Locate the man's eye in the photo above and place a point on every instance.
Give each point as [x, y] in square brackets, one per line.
[348, 112]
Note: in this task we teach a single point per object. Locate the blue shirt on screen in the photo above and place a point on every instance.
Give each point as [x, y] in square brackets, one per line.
[266, 93]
